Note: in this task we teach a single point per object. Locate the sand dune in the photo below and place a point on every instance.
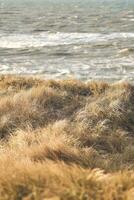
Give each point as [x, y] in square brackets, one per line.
[66, 140]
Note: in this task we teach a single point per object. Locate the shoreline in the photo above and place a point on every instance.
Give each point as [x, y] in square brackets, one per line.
[66, 139]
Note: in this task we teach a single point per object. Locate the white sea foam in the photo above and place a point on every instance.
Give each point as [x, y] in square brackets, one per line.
[97, 68]
[56, 39]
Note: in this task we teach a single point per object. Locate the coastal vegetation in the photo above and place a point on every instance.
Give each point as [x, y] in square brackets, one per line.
[66, 139]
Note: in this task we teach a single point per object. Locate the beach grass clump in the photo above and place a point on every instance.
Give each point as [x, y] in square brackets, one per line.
[66, 139]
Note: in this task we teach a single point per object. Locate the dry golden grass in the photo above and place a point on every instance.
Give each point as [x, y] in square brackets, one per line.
[66, 140]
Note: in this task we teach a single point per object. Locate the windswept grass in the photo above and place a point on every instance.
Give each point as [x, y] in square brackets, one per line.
[66, 140]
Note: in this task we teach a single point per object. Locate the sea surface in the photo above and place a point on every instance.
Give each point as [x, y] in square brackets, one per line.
[83, 39]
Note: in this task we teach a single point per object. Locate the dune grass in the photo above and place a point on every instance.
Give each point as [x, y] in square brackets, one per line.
[66, 140]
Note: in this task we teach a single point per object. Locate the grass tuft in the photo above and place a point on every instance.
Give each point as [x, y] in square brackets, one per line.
[66, 140]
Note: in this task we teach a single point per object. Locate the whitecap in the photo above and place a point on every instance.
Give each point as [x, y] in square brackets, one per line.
[55, 39]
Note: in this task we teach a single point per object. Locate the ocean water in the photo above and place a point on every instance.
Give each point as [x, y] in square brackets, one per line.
[89, 39]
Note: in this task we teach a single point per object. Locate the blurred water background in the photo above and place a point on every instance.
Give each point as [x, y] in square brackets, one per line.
[89, 39]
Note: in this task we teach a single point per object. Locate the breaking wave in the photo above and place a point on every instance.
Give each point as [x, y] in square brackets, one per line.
[55, 39]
